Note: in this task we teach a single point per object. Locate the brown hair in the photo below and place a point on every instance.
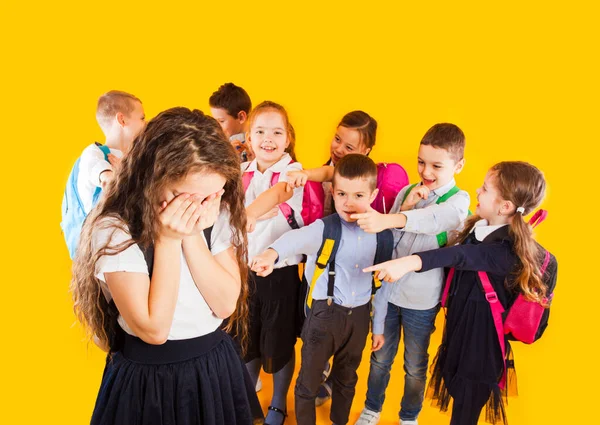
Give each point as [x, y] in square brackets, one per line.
[113, 102]
[290, 133]
[176, 142]
[356, 166]
[232, 98]
[448, 137]
[364, 124]
[523, 185]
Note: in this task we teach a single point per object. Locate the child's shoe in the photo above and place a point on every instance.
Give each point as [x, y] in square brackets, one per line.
[368, 417]
[411, 422]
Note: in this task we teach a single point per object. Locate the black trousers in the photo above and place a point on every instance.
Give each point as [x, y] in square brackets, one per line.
[338, 331]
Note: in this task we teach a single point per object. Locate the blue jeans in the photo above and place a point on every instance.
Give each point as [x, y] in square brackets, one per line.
[418, 326]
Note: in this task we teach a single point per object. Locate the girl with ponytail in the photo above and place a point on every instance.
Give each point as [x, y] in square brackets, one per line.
[469, 367]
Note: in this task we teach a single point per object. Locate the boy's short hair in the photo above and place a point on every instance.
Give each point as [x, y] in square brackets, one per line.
[448, 137]
[113, 102]
[232, 98]
[356, 166]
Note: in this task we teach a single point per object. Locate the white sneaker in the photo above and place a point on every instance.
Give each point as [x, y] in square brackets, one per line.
[258, 385]
[408, 422]
[368, 417]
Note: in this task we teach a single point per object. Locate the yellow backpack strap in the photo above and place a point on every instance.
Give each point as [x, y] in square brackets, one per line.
[332, 233]
[322, 260]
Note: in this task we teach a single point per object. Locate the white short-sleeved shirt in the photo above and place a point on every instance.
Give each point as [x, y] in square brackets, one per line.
[268, 231]
[91, 165]
[193, 317]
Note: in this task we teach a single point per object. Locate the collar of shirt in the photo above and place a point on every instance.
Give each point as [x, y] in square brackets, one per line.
[482, 229]
[278, 167]
[241, 137]
[441, 191]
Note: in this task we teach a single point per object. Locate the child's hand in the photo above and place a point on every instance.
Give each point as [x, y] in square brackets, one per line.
[378, 341]
[263, 263]
[105, 177]
[371, 221]
[296, 179]
[114, 160]
[209, 210]
[178, 218]
[270, 214]
[243, 147]
[391, 271]
[416, 194]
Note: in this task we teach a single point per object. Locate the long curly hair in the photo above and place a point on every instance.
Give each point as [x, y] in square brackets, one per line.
[176, 142]
[524, 185]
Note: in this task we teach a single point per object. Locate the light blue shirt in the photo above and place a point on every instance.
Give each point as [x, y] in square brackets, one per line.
[355, 252]
[420, 291]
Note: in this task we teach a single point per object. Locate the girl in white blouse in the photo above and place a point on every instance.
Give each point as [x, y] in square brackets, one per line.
[162, 262]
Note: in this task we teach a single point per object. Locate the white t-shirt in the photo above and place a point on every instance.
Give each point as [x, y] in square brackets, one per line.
[91, 165]
[193, 317]
[268, 231]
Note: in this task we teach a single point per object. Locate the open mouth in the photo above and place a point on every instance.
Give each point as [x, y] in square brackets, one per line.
[428, 182]
[268, 149]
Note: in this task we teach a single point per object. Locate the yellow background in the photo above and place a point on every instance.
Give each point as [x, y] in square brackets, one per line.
[521, 79]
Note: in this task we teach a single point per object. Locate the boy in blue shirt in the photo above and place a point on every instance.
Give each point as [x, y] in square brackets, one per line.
[339, 319]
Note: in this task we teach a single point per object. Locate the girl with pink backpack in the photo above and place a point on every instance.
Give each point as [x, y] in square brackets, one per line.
[273, 209]
[356, 133]
[499, 287]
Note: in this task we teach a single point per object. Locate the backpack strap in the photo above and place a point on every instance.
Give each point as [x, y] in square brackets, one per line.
[383, 253]
[247, 178]
[332, 234]
[447, 286]
[497, 310]
[284, 207]
[442, 238]
[105, 150]
[411, 187]
[207, 235]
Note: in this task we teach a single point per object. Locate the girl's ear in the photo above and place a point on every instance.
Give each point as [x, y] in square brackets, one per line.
[507, 208]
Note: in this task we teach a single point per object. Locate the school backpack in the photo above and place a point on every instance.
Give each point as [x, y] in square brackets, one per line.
[525, 320]
[313, 200]
[442, 238]
[391, 178]
[332, 234]
[73, 214]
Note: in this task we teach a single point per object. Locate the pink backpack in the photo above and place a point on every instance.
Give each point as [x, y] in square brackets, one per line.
[313, 200]
[526, 320]
[391, 178]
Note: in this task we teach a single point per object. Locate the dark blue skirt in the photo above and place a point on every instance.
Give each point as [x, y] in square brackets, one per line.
[194, 381]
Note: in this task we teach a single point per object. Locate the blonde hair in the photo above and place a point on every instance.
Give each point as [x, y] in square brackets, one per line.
[113, 102]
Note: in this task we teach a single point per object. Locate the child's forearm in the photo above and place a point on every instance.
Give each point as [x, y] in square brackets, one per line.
[221, 298]
[268, 200]
[321, 174]
[394, 221]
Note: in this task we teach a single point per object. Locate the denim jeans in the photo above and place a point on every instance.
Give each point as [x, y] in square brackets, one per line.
[418, 326]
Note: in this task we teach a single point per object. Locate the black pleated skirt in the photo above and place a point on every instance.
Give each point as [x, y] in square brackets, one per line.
[182, 382]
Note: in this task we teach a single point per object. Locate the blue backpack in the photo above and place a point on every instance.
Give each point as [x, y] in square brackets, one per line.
[73, 214]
